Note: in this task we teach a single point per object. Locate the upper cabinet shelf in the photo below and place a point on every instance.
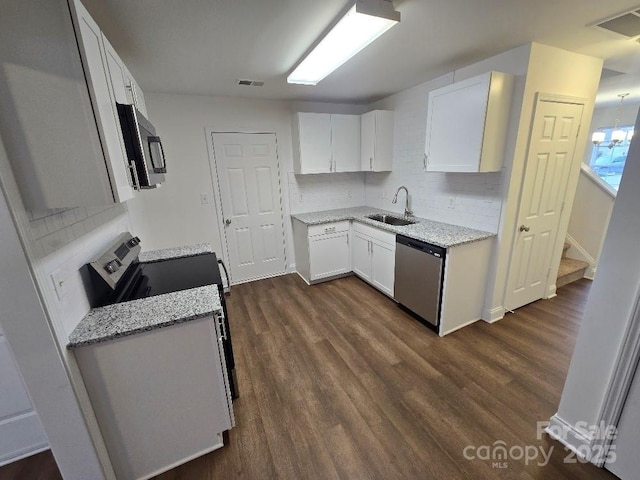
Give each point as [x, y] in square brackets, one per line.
[467, 124]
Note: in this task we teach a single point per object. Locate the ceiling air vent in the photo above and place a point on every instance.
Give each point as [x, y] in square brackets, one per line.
[626, 24]
[251, 83]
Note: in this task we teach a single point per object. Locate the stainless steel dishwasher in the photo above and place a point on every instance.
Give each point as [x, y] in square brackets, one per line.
[418, 277]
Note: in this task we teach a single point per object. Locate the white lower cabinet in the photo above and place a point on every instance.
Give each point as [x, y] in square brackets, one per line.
[332, 249]
[322, 251]
[329, 255]
[373, 255]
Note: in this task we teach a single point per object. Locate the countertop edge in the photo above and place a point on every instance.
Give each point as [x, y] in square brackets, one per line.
[128, 333]
[483, 235]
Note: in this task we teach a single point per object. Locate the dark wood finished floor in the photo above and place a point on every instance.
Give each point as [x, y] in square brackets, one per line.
[337, 382]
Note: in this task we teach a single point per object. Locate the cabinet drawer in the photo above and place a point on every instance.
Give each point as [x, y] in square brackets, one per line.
[328, 228]
[375, 233]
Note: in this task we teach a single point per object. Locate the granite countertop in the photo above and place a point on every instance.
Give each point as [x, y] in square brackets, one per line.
[436, 233]
[177, 252]
[128, 318]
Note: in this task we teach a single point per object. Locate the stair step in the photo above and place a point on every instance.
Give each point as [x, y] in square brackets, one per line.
[570, 271]
[565, 248]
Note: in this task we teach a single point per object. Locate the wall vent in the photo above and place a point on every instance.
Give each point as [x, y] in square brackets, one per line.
[626, 24]
[250, 83]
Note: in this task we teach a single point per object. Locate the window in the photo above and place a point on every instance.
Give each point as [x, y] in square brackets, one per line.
[607, 160]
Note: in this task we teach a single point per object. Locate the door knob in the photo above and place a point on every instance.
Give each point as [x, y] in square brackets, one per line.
[524, 228]
[227, 222]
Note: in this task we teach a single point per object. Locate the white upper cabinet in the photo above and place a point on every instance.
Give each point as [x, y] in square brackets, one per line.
[376, 141]
[467, 124]
[345, 143]
[59, 121]
[325, 143]
[103, 69]
[312, 143]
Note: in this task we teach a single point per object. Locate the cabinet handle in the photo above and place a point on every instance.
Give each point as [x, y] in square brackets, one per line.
[424, 162]
[134, 174]
[371, 247]
[330, 165]
[371, 163]
[347, 239]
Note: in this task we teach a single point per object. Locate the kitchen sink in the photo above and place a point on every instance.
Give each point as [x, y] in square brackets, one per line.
[389, 220]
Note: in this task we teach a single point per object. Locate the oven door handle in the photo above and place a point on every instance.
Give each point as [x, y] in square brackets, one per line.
[226, 276]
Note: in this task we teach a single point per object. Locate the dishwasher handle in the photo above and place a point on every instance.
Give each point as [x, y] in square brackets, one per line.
[422, 246]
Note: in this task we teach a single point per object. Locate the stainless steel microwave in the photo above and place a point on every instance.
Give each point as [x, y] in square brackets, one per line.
[144, 148]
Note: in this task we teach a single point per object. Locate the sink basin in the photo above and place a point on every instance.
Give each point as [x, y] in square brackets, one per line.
[389, 220]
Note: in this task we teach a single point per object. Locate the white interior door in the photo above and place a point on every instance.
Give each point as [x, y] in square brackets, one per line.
[549, 161]
[249, 187]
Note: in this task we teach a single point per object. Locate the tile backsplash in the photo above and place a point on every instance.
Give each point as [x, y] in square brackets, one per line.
[50, 230]
[325, 191]
[468, 199]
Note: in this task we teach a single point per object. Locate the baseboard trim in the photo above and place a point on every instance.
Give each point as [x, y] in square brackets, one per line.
[24, 454]
[305, 280]
[568, 435]
[494, 314]
[552, 291]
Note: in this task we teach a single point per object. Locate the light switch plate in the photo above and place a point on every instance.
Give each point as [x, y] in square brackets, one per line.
[58, 278]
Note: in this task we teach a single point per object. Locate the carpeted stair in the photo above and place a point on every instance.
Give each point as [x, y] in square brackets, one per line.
[570, 269]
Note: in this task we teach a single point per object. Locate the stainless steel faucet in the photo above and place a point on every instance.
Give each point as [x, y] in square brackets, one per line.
[407, 212]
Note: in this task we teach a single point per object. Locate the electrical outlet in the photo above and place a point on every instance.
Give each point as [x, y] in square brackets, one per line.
[204, 199]
[452, 203]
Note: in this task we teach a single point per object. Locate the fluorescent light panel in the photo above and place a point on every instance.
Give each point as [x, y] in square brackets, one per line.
[351, 34]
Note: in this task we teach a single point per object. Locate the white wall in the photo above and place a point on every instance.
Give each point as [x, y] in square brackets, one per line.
[610, 306]
[589, 220]
[551, 71]
[477, 197]
[173, 215]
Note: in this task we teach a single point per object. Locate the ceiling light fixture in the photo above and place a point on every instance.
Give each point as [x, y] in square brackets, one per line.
[618, 135]
[362, 24]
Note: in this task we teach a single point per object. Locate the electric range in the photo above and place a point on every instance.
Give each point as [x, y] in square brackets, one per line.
[118, 276]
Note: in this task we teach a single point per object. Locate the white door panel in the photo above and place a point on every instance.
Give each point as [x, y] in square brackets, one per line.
[361, 256]
[383, 267]
[549, 163]
[247, 167]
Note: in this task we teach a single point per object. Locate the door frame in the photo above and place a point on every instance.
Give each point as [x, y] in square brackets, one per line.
[217, 198]
[563, 222]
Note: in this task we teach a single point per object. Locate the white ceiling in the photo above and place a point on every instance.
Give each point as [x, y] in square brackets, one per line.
[203, 46]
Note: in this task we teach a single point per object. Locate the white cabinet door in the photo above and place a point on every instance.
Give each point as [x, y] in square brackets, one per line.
[117, 73]
[345, 143]
[134, 92]
[361, 256]
[476, 110]
[383, 266]
[95, 61]
[329, 255]
[367, 141]
[376, 136]
[313, 135]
